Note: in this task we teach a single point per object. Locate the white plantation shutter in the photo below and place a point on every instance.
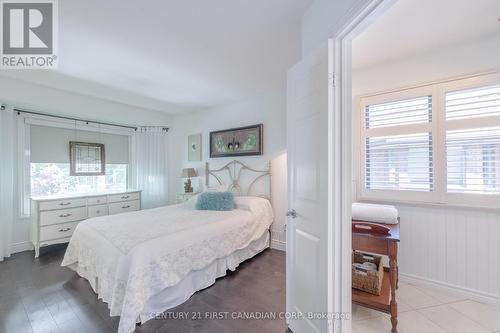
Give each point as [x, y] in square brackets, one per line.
[473, 160]
[473, 103]
[473, 150]
[403, 161]
[409, 111]
[436, 143]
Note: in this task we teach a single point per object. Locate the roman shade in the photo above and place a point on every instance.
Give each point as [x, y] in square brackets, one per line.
[51, 144]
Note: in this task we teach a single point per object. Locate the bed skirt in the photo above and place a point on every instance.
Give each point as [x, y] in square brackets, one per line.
[194, 281]
[197, 280]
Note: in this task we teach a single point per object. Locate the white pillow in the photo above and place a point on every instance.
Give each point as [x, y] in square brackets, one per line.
[259, 207]
[251, 203]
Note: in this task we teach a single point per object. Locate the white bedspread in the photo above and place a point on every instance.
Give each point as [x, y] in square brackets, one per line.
[130, 257]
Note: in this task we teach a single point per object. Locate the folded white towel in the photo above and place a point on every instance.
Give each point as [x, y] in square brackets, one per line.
[374, 213]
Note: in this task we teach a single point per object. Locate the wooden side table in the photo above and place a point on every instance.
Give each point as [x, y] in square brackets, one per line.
[384, 245]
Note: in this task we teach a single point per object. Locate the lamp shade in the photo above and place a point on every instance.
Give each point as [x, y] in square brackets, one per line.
[188, 172]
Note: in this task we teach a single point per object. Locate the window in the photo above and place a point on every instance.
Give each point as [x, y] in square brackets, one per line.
[397, 138]
[473, 150]
[473, 161]
[46, 150]
[438, 143]
[400, 162]
[54, 178]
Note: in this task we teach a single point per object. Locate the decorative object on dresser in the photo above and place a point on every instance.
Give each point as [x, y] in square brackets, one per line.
[194, 148]
[183, 196]
[242, 141]
[87, 159]
[188, 173]
[55, 218]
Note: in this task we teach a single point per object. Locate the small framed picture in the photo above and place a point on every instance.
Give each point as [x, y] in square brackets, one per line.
[194, 148]
[86, 159]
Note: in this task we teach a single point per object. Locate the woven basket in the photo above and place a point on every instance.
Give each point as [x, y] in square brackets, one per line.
[369, 281]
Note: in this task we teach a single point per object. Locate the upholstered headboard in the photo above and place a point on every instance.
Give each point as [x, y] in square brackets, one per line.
[241, 179]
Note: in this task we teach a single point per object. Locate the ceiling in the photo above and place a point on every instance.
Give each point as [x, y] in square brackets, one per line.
[415, 27]
[173, 55]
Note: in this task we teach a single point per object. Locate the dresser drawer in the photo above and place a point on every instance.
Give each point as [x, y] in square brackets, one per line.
[94, 211]
[57, 231]
[97, 200]
[63, 215]
[123, 197]
[64, 203]
[123, 207]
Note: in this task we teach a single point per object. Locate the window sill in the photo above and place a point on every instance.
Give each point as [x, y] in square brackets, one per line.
[428, 204]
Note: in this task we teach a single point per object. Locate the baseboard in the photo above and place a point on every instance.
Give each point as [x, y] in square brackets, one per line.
[466, 292]
[278, 240]
[278, 245]
[21, 246]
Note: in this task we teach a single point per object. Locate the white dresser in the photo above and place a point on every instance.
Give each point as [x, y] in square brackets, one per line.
[55, 218]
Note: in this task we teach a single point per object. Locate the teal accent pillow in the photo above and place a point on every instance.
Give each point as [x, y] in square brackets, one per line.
[215, 201]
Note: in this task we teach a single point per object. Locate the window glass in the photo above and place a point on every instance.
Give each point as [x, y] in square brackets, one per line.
[402, 162]
[473, 160]
[54, 178]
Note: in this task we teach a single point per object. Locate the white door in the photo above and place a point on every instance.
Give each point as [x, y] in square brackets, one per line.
[307, 227]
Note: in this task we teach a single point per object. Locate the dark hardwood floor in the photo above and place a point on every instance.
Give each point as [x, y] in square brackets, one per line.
[37, 295]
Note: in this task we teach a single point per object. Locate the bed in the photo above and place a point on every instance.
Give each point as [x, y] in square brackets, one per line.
[146, 262]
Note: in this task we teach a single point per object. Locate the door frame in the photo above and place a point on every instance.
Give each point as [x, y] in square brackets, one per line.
[340, 161]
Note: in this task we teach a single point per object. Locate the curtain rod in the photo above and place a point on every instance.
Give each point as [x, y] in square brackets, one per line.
[19, 111]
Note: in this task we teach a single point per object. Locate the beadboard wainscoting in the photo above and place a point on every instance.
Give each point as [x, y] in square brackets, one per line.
[453, 247]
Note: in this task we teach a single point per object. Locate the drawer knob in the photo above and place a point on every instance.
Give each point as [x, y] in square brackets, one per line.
[65, 203]
[98, 201]
[97, 211]
[64, 229]
[65, 215]
[125, 207]
[125, 197]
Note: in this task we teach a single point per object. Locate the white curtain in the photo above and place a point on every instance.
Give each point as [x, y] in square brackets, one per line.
[8, 155]
[149, 169]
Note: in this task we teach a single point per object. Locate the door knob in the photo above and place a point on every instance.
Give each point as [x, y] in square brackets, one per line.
[291, 213]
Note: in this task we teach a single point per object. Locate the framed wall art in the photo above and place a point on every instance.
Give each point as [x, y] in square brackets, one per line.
[194, 148]
[87, 159]
[242, 141]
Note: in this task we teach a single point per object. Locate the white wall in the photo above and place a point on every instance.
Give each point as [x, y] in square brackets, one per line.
[460, 59]
[35, 97]
[452, 246]
[268, 108]
[324, 18]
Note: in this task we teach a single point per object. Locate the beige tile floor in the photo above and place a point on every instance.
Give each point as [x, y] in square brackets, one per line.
[424, 309]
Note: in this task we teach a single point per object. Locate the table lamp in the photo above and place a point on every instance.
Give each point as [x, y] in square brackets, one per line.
[188, 173]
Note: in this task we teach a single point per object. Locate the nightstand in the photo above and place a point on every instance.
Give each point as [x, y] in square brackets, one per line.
[180, 197]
